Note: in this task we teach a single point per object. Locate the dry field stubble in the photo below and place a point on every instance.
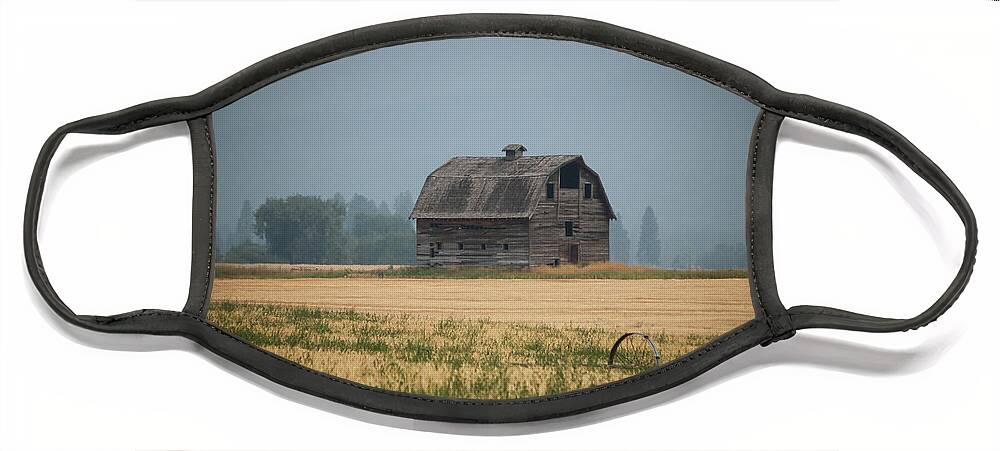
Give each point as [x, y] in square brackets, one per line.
[475, 338]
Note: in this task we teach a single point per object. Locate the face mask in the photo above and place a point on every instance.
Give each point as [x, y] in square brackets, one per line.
[486, 218]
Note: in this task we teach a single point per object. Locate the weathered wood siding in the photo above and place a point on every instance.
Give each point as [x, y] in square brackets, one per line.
[473, 234]
[546, 229]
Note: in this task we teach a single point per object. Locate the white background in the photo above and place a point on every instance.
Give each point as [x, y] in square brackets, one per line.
[852, 228]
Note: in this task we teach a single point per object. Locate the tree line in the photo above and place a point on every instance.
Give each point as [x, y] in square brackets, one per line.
[312, 229]
[649, 250]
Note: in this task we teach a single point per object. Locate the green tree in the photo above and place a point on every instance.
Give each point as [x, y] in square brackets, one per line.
[357, 206]
[383, 239]
[249, 252]
[243, 246]
[649, 240]
[303, 229]
[360, 204]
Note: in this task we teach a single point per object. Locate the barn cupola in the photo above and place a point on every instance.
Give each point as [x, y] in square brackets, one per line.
[513, 151]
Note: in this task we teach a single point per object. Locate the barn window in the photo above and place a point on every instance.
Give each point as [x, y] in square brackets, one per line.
[588, 191]
[569, 228]
[506, 247]
[569, 176]
[461, 246]
[482, 247]
[550, 190]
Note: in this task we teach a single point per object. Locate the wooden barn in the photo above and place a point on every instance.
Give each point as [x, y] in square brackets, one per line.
[513, 210]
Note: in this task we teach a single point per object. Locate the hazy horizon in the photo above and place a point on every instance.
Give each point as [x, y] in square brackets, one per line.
[379, 122]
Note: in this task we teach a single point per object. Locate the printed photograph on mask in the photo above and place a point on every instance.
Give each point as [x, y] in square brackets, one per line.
[485, 218]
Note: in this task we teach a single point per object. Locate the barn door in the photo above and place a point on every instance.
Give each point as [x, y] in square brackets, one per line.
[574, 253]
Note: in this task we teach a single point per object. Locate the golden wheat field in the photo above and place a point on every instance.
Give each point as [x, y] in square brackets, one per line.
[475, 338]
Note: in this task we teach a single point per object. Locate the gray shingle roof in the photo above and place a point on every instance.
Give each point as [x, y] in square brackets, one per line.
[488, 187]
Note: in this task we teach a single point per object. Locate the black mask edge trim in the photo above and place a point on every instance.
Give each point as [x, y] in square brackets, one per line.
[760, 258]
[720, 73]
[202, 217]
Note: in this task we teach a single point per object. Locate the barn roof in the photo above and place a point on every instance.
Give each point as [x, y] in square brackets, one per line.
[490, 187]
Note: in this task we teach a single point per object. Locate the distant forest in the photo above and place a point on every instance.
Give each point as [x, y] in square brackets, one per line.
[316, 230]
[649, 251]
[311, 229]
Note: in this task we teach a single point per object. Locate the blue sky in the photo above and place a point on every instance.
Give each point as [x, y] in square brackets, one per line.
[377, 123]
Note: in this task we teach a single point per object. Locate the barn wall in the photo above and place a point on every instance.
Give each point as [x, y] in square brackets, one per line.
[593, 229]
[590, 224]
[473, 233]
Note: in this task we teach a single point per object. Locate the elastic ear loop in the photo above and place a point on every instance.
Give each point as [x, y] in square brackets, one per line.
[139, 321]
[864, 125]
